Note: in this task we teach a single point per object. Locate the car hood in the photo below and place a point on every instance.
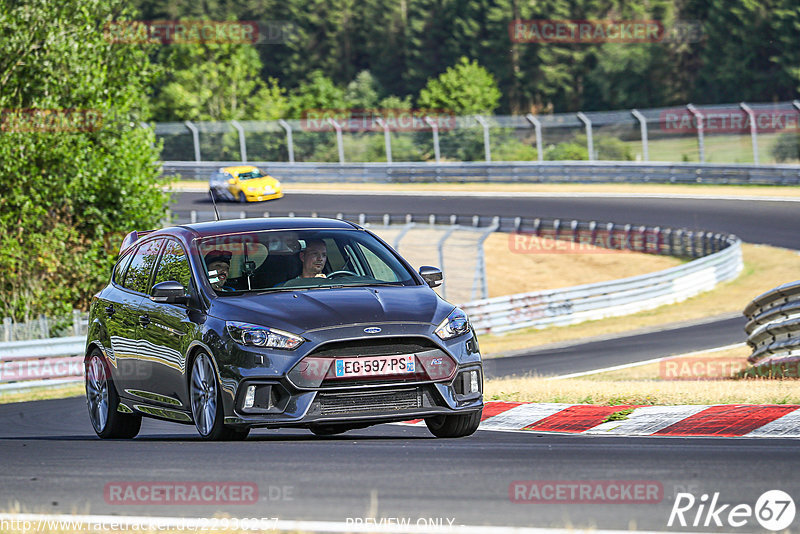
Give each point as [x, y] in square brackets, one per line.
[304, 310]
[266, 181]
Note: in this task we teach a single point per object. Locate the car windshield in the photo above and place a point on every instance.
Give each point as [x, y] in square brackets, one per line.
[255, 262]
[250, 175]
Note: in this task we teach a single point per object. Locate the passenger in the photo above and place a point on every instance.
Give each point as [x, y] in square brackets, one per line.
[218, 263]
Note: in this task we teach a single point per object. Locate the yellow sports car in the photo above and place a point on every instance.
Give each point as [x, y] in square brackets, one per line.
[244, 183]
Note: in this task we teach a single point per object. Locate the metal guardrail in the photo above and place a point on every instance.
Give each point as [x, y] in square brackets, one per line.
[504, 172]
[41, 363]
[773, 327]
[606, 299]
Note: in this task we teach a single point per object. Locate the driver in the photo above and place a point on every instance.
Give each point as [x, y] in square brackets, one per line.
[218, 263]
[313, 257]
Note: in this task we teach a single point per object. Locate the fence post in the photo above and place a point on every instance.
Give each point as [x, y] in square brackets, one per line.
[195, 139]
[387, 138]
[435, 130]
[643, 129]
[339, 142]
[242, 142]
[589, 141]
[487, 150]
[753, 129]
[76, 322]
[7, 329]
[440, 249]
[537, 126]
[44, 328]
[480, 267]
[289, 142]
[700, 142]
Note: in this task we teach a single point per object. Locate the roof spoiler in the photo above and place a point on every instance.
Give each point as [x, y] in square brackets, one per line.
[132, 238]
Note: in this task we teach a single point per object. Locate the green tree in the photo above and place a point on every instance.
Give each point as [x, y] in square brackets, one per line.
[464, 89]
[70, 190]
[318, 93]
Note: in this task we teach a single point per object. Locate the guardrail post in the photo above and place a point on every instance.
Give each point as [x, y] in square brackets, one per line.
[556, 228]
[195, 139]
[589, 142]
[289, 143]
[487, 150]
[435, 129]
[574, 227]
[339, 141]
[643, 129]
[242, 142]
[670, 243]
[6, 328]
[387, 138]
[753, 129]
[627, 238]
[700, 142]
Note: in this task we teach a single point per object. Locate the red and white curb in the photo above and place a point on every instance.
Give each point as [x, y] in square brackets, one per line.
[721, 420]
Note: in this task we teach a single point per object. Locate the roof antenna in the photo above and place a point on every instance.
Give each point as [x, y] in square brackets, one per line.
[213, 201]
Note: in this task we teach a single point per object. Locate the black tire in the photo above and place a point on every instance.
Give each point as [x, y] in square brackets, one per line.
[242, 197]
[454, 426]
[208, 416]
[102, 401]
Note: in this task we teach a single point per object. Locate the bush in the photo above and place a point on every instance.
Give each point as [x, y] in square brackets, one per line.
[570, 151]
[786, 147]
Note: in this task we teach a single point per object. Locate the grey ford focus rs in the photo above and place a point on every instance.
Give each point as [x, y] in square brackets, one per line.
[280, 322]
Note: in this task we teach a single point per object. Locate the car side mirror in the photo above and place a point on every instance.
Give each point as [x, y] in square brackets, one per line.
[170, 292]
[432, 275]
[232, 181]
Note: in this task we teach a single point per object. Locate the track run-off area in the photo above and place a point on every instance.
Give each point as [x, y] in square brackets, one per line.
[54, 464]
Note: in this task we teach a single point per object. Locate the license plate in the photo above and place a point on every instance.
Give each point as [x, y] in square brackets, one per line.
[375, 366]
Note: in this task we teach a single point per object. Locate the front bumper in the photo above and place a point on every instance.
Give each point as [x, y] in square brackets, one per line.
[260, 197]
[277, 401]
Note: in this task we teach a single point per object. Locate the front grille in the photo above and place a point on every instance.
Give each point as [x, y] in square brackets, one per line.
[385, 400]
[374, 347]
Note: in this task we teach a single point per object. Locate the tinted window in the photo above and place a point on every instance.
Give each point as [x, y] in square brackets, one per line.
[137, 276]
[174, 265]
[119, 269]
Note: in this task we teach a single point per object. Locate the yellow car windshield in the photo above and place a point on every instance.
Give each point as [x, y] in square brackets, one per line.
[251, 175]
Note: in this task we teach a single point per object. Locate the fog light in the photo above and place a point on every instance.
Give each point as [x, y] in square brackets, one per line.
[473, 382]
[250, 397]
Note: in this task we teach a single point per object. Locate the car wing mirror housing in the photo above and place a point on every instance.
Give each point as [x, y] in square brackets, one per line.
[432, 275]
[170, 292]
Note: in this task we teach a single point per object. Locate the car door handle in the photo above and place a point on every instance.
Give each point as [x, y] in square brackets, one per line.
[110, 310]
[144, 320]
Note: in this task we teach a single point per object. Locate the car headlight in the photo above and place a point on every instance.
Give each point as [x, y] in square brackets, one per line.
[262, 336]
[252, 189]
[456, 324]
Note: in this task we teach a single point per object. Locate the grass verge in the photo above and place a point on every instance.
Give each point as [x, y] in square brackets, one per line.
[699, 378]
[71, 390]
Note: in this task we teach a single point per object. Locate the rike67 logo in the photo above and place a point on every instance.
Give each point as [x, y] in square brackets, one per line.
[774, 510]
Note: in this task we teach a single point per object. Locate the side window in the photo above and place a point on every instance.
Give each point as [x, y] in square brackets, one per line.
[380, 271]
[174, 265]
[137, 277]
[119, 269]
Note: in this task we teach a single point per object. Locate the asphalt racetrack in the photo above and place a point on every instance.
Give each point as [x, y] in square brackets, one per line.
[53, 463]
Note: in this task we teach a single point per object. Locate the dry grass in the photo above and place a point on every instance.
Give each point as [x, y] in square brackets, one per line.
[651, 189]
[510, 271]
[765, 267]
[663, 383]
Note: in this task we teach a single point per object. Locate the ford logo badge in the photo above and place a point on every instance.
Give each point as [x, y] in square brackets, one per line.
[372, 330]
